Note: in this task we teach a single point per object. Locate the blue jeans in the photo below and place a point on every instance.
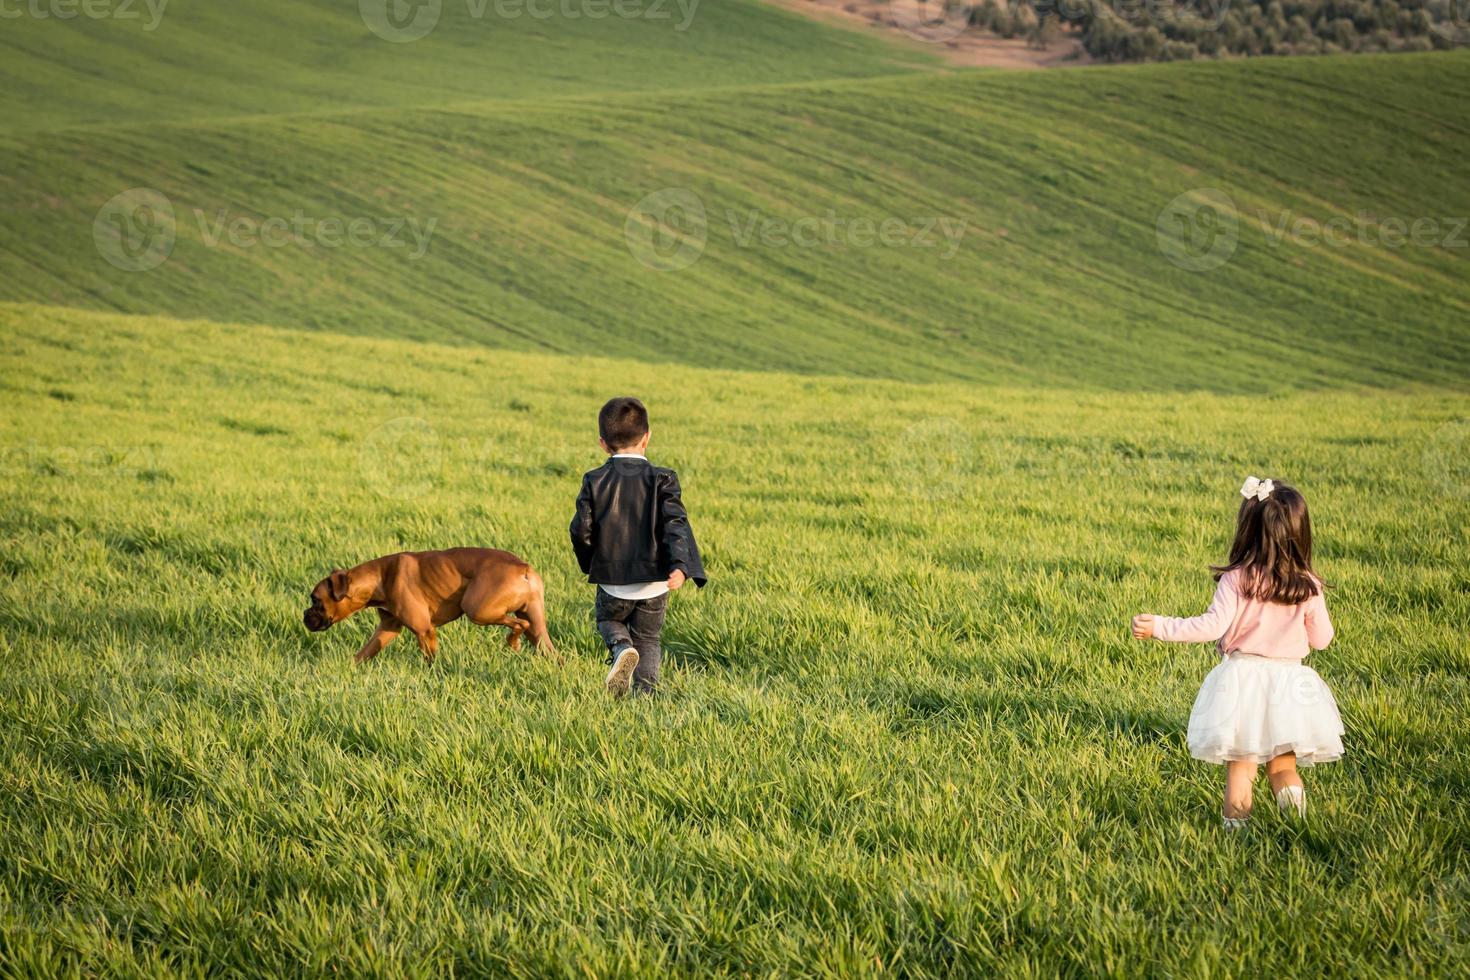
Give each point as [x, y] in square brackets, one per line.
[636, 623]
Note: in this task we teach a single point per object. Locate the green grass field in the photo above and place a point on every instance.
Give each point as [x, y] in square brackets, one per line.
[900, 731]
[904, 731]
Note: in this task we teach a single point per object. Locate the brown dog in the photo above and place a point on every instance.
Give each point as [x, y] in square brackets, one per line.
[423, 590]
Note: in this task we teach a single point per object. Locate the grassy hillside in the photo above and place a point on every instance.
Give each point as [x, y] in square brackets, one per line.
[902, 730]
[1058, 181]
[208, 60]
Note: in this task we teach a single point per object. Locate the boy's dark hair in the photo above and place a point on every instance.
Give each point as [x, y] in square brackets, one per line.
[1273, 548]
[622, 422]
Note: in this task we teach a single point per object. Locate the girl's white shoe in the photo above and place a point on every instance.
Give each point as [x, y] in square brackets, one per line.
[1235, 823]
[1293, 801]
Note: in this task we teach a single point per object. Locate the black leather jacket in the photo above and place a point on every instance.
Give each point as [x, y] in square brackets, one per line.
[631, 526]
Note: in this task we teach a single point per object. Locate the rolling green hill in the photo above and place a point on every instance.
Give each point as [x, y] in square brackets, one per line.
[507, 224]
[904, 725]
[201, 59]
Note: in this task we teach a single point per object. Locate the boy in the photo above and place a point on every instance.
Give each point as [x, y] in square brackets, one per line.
[632, 538]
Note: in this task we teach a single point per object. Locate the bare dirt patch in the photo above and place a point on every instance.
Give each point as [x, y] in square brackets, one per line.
[973, 48]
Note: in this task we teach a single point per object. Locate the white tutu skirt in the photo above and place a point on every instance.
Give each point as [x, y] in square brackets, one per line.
[1252, 709]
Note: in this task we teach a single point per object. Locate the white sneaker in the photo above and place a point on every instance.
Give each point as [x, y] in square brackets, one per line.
[1293, 801]
[620, 678]
[1236, 823]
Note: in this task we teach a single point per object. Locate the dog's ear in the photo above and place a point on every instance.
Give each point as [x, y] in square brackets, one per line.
[337, 584]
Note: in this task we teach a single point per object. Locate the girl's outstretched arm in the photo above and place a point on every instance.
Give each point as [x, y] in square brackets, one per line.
[1319, 624]
[1205, 628]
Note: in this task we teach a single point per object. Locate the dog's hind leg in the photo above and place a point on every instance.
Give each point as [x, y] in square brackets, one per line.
[535, 613]
[518, 625]
[510, 621]
[387, 631]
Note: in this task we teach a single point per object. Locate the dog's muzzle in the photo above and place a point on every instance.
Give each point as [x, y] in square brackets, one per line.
[314, 620]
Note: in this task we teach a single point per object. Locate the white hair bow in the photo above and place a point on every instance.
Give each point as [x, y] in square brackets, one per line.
[1260, 489]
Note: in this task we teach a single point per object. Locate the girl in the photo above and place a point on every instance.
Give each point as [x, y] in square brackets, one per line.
[1261, 704]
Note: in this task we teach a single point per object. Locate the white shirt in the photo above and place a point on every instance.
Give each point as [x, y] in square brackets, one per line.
[636, 590]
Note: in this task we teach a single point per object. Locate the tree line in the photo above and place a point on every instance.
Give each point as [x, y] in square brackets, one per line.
[1181, 30]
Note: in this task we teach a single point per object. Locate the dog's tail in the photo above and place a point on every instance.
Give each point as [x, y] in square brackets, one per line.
[536, 613]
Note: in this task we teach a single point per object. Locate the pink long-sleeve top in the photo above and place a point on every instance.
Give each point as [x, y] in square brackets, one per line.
[1244, 625]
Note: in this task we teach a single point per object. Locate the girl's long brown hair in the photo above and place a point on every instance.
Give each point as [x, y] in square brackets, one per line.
[1273, 548]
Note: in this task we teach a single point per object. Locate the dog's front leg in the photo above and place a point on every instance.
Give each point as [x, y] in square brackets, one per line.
[428, 643]
[387, 631]
[417, 616]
